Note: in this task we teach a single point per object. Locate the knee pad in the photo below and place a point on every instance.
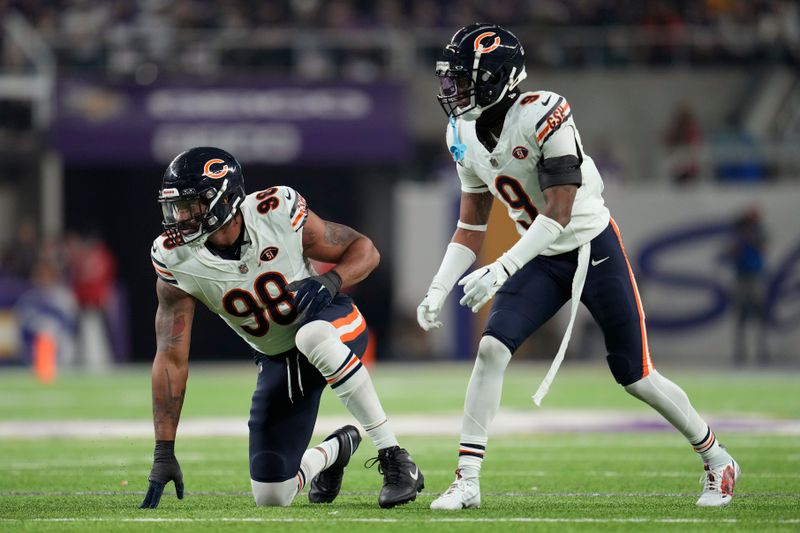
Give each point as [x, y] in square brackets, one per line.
[493, 352]
[278, 494]
[312, 335]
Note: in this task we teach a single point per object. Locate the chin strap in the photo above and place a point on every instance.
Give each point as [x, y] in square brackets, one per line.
[458, 149]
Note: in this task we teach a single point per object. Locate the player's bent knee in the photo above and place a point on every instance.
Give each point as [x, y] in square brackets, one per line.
[312, 335]
[279, 494]
[646, 389]
[491, 350]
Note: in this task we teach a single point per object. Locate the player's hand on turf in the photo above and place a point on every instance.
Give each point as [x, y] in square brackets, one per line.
[482, 284]
[165, 469]
[431, 306]
[314, 293]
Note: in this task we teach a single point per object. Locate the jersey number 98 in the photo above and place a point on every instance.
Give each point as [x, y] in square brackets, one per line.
[240, 303]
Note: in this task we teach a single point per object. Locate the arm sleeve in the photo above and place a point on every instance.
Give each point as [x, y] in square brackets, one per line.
[295, 206]
[470, 182]
[561, 159]
[159, 264]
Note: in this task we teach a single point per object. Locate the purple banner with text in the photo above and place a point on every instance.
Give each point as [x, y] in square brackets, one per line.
[257, 121]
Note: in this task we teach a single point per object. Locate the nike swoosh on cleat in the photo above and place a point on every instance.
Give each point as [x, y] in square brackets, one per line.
[595, 263]
[415, 474]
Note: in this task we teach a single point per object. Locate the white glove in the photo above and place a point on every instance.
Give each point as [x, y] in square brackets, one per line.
[431, 306]
[482, 284]
[457, 259]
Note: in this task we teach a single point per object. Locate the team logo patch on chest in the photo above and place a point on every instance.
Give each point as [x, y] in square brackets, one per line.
[269, 253]
[520, 152]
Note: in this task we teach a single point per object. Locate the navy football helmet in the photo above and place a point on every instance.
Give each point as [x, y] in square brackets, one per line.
[201, 191]
[478, 68]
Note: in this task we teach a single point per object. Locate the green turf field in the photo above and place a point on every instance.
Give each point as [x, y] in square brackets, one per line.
[551, 481]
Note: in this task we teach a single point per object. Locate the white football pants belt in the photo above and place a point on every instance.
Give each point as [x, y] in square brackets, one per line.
[578, 282]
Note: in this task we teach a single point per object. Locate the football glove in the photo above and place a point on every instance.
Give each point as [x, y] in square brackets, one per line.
[482, 284]
[313, 294]
[165, 469]
[431, 306]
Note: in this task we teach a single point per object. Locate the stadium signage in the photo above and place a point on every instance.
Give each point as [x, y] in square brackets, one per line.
[260, 121]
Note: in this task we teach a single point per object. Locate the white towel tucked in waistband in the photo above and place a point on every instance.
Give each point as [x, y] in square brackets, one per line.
[577, 289]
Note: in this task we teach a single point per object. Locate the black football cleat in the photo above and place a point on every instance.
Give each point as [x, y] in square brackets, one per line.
[326, 485]
[402, 479]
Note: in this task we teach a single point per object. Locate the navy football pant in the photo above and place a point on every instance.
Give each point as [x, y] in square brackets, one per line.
[534, 294]
[285, 403]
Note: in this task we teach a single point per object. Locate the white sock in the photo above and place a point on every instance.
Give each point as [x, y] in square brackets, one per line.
[348, 379]
[480, 406]
[315, 460]
[669, 399]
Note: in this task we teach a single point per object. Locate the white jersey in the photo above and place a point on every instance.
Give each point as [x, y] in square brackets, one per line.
[249, 294]
[539, 125]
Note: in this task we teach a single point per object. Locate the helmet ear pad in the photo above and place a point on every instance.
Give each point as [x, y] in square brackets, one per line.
[488, 91]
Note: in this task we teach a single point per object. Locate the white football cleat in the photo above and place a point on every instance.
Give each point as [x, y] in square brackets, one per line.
[718, 484]
[462, 493]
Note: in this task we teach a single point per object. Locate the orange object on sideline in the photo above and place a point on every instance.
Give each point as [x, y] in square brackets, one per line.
[44, 358]
[368, 359]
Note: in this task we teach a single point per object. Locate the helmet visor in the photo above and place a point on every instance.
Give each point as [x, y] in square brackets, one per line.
[456, 94]
[183, 218]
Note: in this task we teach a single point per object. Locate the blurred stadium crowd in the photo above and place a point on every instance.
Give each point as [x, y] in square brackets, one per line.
[117, 35]
[746, 132]
[64, 288]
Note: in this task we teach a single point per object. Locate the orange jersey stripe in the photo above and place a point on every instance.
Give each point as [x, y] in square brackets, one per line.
[544, 132]
[161, 270]
[347, 337]
[298, 216]
[646, 363]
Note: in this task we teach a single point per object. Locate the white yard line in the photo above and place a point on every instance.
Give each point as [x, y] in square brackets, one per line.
[508, 422]
[531, 494]
[328, 519]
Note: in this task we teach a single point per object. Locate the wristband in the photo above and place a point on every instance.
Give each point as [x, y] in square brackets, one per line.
[471, 227]
[457, 259]
[542, 233]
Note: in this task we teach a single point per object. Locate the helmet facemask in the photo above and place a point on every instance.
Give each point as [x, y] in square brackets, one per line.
[189, 215]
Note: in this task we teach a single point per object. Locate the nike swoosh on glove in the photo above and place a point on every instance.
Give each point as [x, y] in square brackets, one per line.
[482, 284]
[313, 294]
[431, 306]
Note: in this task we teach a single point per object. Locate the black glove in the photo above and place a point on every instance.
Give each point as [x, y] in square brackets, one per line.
[165, 469]
[314, 294]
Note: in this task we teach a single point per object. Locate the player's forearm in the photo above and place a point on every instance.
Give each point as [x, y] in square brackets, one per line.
[169, 378]
[471, 239]
[358, 261]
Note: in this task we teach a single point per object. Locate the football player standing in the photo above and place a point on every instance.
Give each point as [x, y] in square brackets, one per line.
[246, 258]
[525, 150]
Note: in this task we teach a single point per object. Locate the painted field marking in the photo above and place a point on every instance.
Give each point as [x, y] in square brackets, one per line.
[532, 494]
[328, 520]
